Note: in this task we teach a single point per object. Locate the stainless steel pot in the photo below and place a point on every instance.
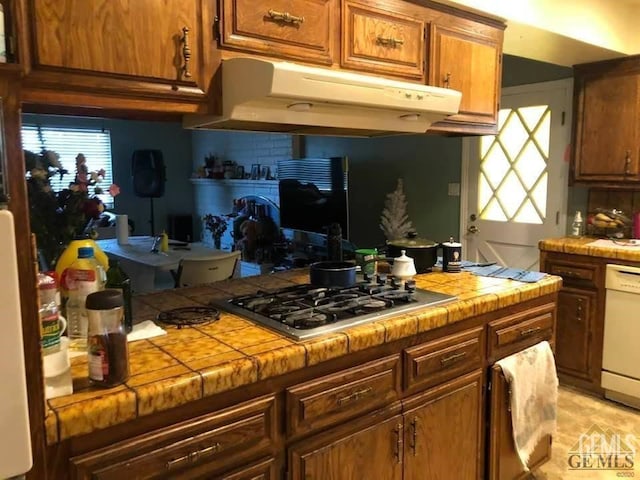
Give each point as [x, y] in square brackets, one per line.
[332, 274]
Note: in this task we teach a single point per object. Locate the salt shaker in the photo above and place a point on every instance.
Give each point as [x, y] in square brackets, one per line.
[108, 352]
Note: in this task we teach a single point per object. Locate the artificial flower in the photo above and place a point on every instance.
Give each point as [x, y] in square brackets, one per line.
[57, 217]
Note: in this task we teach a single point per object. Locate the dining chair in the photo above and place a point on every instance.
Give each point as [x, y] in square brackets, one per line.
[206, 269]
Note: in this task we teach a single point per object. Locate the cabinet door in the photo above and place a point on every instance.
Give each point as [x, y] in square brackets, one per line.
[607, 137]
[379, 41]
[143, 47]
[375, 451]
[464, 60]
[504, 463]
[443, 435]
[576, 312]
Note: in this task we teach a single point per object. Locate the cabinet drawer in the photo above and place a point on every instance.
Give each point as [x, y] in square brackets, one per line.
[208, 443]
[437, 361]
[379, 41]
[297, 29]
[577, 272]
[342, 395]
[521, 330]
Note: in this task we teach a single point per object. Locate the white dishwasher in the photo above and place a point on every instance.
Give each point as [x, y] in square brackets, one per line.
[621, 349]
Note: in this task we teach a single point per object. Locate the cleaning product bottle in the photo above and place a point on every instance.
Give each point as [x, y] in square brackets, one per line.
[576, 226]
[70, 255]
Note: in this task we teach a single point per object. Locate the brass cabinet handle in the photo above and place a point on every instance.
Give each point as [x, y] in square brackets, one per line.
[414, 436]
[390, 41]
[627, 163]
[529, 331]
[186, 52]
[447, 80]
[399, 443]
[285, 17]
[194, 456]
[357, 395]
[567, 273]
[452, 358]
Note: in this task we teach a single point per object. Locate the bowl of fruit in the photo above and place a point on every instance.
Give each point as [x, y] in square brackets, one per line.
[609, 223]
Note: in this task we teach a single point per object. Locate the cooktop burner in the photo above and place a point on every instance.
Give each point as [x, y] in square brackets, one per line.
[305, 311]
[188, 316]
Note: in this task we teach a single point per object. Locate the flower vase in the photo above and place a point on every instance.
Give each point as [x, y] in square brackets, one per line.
[217, 243]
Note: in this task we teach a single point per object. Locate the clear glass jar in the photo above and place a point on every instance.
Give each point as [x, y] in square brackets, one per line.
[107, 349]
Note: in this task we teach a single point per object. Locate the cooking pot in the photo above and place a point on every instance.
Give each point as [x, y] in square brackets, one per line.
[332, 274]
[424, 252]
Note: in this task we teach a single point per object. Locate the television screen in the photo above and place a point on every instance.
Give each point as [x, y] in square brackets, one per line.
[313, 194]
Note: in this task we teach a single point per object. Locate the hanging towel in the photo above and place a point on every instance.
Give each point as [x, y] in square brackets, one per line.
[533, 385]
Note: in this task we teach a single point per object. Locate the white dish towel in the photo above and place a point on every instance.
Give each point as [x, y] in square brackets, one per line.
[533, 383]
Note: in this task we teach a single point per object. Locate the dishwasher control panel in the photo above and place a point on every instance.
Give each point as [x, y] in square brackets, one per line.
[623, 278]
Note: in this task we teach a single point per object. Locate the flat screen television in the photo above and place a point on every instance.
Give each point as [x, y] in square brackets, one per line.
[314, 194]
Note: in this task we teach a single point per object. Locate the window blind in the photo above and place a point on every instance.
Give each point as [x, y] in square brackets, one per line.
[68, 142]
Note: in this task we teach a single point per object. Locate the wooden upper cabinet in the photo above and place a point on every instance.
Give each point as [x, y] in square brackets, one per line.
[136, 47]
[290, 29]
[377, 40]
[607, 123]
[467, 57]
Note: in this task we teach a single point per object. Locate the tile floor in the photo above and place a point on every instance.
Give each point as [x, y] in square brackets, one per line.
[579, 413]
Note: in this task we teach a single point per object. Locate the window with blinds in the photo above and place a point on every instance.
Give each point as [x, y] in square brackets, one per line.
[67, 142]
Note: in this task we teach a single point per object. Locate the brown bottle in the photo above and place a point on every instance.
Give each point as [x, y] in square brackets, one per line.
[108, 353]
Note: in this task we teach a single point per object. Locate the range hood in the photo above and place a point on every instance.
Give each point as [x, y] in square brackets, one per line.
[261, 95]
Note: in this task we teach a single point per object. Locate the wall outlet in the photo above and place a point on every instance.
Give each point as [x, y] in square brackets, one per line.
[454, 190]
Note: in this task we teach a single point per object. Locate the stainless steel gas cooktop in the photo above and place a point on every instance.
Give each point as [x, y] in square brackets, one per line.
[306, 311]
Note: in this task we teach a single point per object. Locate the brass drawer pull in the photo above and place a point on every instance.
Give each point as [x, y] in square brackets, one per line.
[627, 163]
[567, 273]
[452, 358]
[357, 395]
[529, 331]
[390, 41]
[399, 443]
[194, 456]
[285, 17]
[414, 436]
[186, 52]
[447, 80]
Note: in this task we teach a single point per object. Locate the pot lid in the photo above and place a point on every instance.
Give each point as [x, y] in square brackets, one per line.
[412, 243]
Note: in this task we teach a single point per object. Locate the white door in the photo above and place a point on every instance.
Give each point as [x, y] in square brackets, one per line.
[514, 184]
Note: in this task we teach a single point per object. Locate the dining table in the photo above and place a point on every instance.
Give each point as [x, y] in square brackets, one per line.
[151, 270]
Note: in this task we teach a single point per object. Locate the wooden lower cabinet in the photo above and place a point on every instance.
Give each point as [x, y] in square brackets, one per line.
[264, 470]
[438, 436]
[358, 452]
[504, 463]
[203, 447]
[576, 314]
[580, 323]
[444, 429]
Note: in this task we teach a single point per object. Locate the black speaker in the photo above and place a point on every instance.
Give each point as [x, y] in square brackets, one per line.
[147, 167]
[180, 227]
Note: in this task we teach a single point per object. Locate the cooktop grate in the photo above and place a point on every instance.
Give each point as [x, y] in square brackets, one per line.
[189, 316]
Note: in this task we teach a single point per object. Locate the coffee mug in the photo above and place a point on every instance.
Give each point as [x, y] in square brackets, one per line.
[364, 257]
[451, 256]
[52, 329]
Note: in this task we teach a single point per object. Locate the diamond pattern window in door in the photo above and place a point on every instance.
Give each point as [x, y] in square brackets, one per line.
[513, 167]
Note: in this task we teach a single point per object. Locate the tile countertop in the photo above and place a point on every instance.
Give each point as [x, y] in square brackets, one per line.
[188, 364]
[580, 246]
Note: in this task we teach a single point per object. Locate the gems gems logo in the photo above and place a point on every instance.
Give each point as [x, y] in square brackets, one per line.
[600, 449]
